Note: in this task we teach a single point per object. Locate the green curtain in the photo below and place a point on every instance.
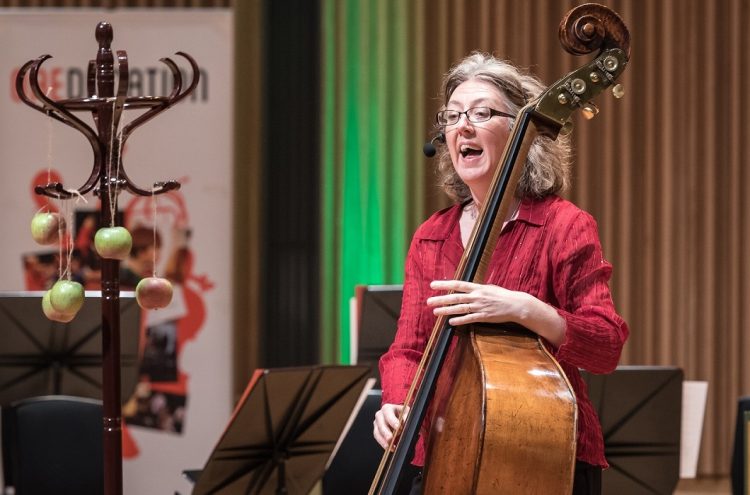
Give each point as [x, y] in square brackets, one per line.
[371, 192]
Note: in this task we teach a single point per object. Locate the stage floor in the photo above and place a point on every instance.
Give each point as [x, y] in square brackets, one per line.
[704, 486]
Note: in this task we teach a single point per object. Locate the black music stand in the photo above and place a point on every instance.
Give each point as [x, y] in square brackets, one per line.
[380, 306]
[640, 410]
[283, 431]
[41, 357]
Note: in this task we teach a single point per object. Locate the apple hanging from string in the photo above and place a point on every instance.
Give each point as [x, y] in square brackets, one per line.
[66, 297]
[153, 293]
[45, 227]
[51, 313]
[113, 243]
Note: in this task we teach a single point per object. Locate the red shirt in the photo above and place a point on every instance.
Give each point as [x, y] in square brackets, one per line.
[551, 250]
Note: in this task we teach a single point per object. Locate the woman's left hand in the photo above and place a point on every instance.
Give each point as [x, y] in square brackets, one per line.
[479, 303]
[474, 303]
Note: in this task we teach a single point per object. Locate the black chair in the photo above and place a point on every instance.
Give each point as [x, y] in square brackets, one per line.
[54, 446]
[739, 473]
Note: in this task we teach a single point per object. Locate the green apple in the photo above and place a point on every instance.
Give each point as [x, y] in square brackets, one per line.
[66, 297]
[153, 292]
[113, 243]
[45, 227]
[53, 314]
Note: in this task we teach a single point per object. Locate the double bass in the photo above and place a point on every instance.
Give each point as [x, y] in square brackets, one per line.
[503, 414]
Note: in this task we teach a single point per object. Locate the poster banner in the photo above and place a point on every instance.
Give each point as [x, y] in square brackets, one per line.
[183, 397]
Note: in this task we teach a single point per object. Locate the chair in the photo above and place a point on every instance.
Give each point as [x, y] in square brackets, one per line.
[54, 446]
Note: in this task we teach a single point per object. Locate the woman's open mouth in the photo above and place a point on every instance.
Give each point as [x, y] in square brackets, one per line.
[468, 151]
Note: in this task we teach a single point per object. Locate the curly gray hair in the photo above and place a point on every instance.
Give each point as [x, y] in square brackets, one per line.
[547, 167]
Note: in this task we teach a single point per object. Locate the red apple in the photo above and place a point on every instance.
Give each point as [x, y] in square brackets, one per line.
[153, 292]
[45, 227]
[66, 297]
[113, 243]
[53, 314]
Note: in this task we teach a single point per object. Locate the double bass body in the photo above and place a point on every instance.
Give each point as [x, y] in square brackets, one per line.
[503, 409]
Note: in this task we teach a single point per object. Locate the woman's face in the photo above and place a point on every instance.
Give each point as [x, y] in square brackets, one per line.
[476, 148]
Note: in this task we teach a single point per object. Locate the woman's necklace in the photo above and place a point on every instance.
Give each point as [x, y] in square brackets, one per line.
[472, 209]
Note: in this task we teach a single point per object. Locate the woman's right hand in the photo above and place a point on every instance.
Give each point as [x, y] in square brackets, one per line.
[386, 422]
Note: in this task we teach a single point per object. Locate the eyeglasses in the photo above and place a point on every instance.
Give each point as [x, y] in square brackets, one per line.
[475, 115]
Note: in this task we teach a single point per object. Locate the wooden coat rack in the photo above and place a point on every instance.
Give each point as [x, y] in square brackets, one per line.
[106, 106]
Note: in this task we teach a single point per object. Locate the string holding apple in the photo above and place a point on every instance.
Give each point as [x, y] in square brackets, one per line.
[153, 292]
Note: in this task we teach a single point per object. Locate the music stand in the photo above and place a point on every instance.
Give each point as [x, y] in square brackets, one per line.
[740, 454]
[283, 431]
[640, 410]
[380, 306]
[42, 357]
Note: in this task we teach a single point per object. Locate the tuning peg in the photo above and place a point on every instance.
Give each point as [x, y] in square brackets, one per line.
[618, 91]
[589, 110]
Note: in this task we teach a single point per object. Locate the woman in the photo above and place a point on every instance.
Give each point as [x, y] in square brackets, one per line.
[547, 272]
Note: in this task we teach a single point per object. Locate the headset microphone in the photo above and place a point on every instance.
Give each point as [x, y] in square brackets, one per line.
[429, 149]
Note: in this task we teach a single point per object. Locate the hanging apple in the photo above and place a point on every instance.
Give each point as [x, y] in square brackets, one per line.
[66, 297]
[113, 243]
[51, 313]
[153, 292]
[45, 227]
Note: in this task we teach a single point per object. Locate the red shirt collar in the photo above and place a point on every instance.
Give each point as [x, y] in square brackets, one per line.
[442, 224]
